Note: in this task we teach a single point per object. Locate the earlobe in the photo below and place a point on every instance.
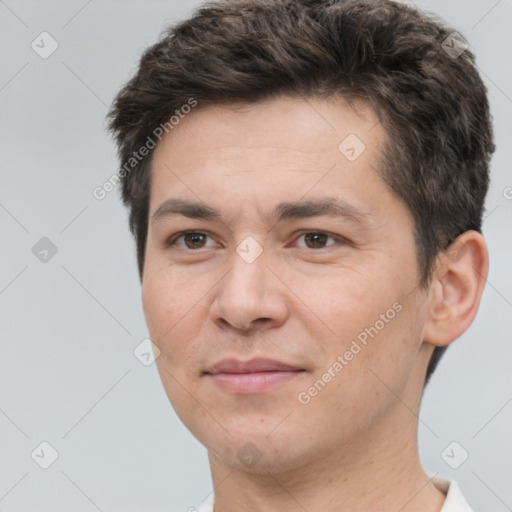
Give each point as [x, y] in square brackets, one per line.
[456, 288]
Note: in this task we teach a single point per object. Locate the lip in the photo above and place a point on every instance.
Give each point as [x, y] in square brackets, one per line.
[254, 376]
[251, 366]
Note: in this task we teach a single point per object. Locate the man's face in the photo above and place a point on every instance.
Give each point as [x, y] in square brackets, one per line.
[257, 311]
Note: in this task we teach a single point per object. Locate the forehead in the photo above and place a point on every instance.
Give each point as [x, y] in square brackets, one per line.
[275, 150]
[306, 125]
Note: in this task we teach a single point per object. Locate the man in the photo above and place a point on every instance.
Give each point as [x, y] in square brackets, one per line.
[306, 183]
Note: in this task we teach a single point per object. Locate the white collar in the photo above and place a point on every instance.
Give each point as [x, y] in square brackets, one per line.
[455, 501]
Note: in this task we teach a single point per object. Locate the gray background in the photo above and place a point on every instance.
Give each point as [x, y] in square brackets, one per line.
[68, 375]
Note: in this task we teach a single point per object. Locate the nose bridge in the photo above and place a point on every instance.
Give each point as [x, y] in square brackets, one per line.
[246, 281]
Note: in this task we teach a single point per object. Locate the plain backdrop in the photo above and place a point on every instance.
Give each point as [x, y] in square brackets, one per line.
[70, 295]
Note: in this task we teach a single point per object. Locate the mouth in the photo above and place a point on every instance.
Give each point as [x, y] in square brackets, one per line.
[255, 376]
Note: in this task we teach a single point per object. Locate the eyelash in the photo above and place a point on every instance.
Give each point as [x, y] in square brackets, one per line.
[172, 240]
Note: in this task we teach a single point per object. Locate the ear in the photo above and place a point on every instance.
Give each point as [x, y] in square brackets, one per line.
[456, 288]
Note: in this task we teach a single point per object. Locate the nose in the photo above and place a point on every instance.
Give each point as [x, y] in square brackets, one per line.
[250, 296]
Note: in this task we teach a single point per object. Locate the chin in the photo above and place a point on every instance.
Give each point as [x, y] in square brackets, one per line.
[253, 450]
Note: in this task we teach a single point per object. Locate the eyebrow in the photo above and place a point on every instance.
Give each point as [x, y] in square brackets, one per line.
[328, 206]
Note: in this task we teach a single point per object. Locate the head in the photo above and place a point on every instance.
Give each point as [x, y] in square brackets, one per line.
[250, 105]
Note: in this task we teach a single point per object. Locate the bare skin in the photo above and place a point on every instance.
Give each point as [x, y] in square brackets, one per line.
[318, 283]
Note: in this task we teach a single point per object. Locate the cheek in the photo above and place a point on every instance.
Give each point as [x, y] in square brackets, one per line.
[168, 300]
[367, 376]
[365, 319]
[159, 307]
[341, 302]
[170, 320]
[174, 310]
[162, 312]
[387, 349]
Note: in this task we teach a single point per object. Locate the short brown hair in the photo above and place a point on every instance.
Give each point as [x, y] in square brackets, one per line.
[432, 102]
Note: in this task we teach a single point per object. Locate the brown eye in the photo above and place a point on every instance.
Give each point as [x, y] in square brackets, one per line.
[194, 240]
[316, 240]
[189, 240]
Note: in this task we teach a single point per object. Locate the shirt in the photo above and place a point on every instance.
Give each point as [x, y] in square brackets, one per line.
[454, 502]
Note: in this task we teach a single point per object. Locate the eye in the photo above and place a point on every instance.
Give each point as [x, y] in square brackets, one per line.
[198, 240]
[191, 239]
[318, 239]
